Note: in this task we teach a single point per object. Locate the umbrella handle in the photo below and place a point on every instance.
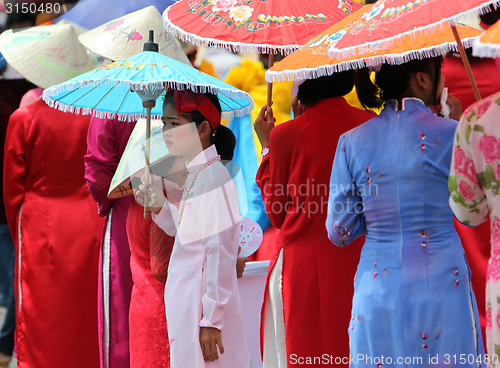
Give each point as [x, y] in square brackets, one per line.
[270, 85]
[148, 151]
[465, 61]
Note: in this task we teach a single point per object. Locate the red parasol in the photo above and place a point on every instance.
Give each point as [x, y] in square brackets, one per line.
[390, 20]
[267, 26]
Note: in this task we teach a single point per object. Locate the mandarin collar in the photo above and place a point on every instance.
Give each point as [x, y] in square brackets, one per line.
[408, 104]
[202, 158]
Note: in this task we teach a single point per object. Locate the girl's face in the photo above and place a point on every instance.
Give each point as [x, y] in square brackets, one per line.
[180, 135]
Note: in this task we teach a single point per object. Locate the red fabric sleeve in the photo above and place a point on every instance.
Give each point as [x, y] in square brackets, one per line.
[273, 176]
[14, 169]
[101, 161]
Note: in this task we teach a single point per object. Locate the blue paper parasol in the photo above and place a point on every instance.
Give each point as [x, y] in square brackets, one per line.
[117, 90]
[107, 92]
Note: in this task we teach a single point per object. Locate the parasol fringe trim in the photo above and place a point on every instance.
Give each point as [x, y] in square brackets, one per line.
[392, 41]
[127, 117]
[137, 85]
[394, 59]
[485, 50]
[226, 45]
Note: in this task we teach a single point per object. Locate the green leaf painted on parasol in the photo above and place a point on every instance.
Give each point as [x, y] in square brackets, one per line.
[478, 128]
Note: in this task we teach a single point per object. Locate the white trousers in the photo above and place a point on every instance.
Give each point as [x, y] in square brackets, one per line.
[274, 322]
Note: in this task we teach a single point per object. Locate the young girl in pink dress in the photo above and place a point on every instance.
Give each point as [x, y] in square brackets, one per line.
[204, 319]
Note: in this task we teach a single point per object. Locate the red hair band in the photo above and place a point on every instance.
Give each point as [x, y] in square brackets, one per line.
[186, 101]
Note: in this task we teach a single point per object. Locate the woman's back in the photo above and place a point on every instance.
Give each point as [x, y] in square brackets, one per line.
[293, 179]
[412, 266]
[296, 195]
[52, 217]
[400, 162]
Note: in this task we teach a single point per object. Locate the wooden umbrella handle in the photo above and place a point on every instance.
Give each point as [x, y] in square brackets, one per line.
[270, 85]
[148, 151]
[466, 63]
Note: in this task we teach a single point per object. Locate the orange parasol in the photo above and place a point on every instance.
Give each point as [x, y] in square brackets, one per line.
[389, 21]
[267, 26]
[488, 45]
[312, 60]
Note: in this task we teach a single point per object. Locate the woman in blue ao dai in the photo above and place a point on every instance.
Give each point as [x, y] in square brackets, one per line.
[413, 304]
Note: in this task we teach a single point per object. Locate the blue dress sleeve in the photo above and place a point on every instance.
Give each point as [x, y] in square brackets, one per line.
[345, 220]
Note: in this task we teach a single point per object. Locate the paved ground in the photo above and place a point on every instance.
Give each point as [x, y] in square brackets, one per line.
[3, 311]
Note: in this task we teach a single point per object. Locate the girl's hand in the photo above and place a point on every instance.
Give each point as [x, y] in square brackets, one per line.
[240, 264]
[210, 338]
[264, 124]
[152, 193]
[455, 107]
[297, 107]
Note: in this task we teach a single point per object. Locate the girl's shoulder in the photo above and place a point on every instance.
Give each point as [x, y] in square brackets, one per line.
[213, 176]
[377, 123]
[437, 124]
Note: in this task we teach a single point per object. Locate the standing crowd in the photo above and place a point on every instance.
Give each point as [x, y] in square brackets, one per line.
[370, 267]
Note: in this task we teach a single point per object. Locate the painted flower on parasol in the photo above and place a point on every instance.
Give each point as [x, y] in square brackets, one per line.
[390, 20]
[107, 92]
[267, 26]
[125, 36]
[312, 60]
[385, 24]
[124, 89]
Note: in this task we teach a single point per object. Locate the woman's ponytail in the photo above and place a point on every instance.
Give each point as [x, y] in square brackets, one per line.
[392, 81]
[225, 142]
[368, 93]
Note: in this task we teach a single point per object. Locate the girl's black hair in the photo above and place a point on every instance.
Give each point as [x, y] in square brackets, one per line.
[224, 139]
[335, 85]
[491, 16]
[168, 98]
[392, 81]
